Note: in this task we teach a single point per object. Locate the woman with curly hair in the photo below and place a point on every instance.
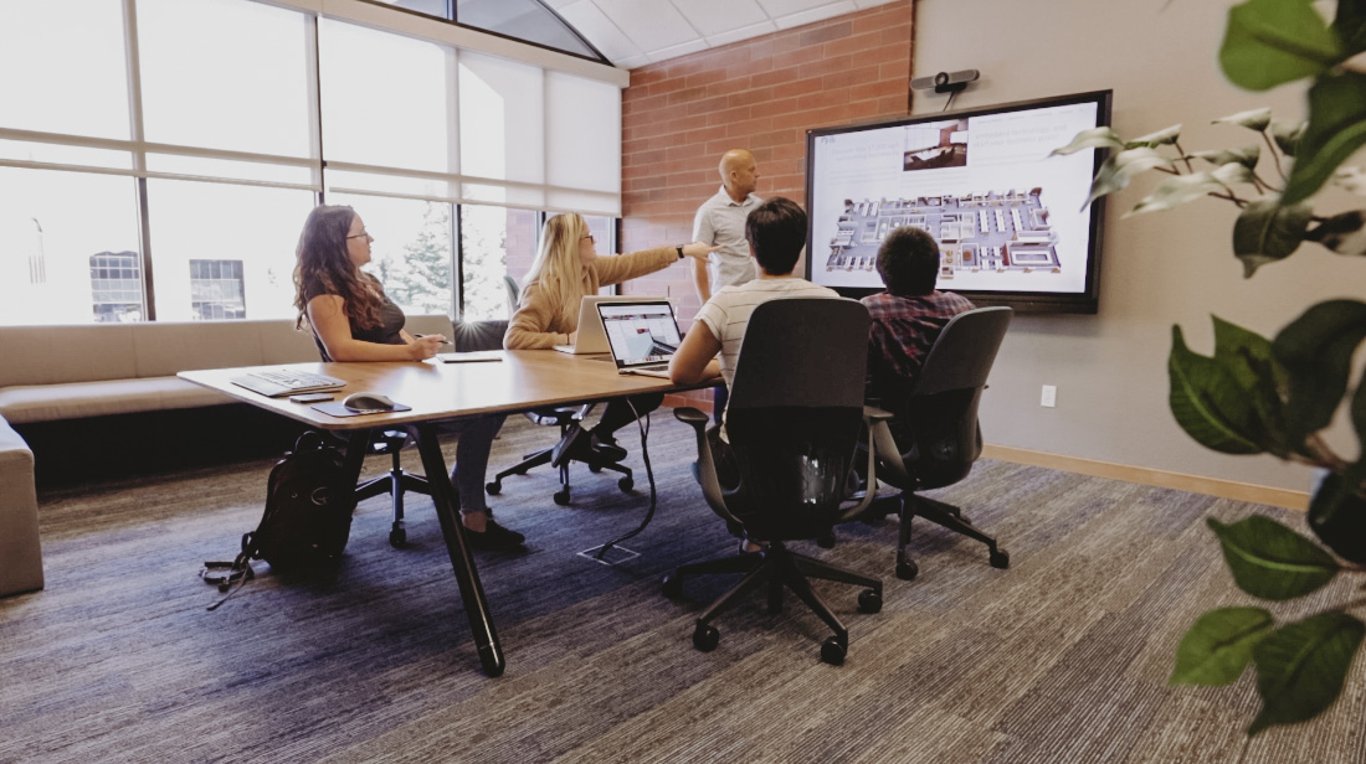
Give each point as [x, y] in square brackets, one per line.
[353, 320]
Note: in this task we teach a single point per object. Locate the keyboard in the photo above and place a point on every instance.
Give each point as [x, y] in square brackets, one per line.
[276, 383]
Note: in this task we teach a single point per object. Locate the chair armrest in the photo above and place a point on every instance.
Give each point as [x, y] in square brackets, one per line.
[872, 414]
[706, 465]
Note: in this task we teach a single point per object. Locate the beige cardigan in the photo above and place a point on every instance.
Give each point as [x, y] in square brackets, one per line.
[537, 322]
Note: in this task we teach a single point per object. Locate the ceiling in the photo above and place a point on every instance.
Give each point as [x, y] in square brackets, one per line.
[632, 33]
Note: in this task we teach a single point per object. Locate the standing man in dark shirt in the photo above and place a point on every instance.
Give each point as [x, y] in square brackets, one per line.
[907, 318]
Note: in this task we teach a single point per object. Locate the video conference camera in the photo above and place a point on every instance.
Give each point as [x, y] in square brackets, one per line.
[946, 82]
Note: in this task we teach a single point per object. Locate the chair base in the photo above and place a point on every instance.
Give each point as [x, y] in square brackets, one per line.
[774, 570]
[947, 516]
[544, 456]
[394, 482]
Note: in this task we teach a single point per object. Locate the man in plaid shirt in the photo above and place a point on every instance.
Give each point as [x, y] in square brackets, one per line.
[908, 317]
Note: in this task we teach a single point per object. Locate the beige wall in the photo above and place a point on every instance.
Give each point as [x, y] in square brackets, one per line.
[1159, 57]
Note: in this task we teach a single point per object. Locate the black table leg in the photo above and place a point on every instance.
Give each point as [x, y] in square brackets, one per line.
[447, 503]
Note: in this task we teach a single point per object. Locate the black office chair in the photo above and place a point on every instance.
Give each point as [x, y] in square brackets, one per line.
[795, 413]
[934, 436]
[488, 335]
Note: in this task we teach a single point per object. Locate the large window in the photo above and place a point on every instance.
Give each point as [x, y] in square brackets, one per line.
[158, 157]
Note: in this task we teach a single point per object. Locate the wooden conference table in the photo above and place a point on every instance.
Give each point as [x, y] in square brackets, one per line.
[523, 380]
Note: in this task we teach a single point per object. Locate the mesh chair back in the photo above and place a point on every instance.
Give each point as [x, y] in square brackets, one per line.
[468, 336]
[936, 426]
[795, 413]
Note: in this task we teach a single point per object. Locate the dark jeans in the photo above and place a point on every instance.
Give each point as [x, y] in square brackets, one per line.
[720, 395]
[472, 458]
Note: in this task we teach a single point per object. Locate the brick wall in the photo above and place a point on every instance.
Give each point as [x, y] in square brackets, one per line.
[679, 116]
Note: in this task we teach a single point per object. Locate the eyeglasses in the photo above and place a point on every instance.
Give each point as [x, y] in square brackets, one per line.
[361, 235]
[589, 237]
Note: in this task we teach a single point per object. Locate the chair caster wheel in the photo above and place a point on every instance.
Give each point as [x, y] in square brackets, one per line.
[671, 586]
[869, 601]
[562, 497]
[626, 484]
[595, 468]
[224, 587]
[494, 488]
[1000, 559]
[833, 652]
[826, 540]
[907, 571]
[706, 638]
[398, 537]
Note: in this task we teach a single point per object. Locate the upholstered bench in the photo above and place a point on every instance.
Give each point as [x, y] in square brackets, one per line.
[21, 558]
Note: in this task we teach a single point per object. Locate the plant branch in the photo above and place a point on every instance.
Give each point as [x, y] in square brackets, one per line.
[1230, 197]
[1325, 454]
[1177, 145]
[1275, 155]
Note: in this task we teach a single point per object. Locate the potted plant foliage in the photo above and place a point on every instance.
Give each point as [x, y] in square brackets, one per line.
[1257, 395]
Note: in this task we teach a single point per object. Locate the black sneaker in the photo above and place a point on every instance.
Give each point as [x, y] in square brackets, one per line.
[495, 537]
[606, 451]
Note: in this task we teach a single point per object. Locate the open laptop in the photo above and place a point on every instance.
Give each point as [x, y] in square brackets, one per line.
[590, 339]
[642, 336]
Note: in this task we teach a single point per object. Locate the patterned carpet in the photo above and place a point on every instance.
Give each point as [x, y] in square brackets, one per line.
[1064, 657]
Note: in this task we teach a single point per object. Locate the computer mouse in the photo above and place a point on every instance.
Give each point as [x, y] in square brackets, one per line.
[364, 401]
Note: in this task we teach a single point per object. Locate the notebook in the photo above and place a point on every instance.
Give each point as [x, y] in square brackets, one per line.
[590, 339]
[642, 336]
[277, 383]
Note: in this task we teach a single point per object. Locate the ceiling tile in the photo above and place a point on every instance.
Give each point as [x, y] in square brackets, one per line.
[713, 17]
[743, 33]
[652, 24]
[590, 21]
[779, 8]
[816, 14]
[633, 62]
[870, 3]
[558, 4]
[674, 51]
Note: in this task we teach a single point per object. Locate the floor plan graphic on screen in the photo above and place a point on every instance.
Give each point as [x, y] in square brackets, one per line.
[1009, 218]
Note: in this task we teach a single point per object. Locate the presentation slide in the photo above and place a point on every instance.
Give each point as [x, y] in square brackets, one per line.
[1007, 216]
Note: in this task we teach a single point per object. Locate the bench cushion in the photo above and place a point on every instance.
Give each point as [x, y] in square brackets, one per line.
[21, 557]
[26, 404]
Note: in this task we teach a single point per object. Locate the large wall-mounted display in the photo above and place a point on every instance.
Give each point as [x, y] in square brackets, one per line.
[1008, 217]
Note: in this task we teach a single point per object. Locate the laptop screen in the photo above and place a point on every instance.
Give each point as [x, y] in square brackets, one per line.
[640, 333]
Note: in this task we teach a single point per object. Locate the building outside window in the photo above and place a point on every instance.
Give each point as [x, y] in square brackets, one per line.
[216, 290]
[116, 286]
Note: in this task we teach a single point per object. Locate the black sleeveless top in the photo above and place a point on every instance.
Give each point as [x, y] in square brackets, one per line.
[391, 321]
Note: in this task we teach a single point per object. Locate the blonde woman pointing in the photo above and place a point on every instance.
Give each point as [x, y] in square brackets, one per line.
[567, 267]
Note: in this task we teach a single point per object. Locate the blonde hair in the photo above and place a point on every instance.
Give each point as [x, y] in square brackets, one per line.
[557, 270]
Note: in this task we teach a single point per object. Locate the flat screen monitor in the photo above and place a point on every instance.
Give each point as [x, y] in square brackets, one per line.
[1008, 217]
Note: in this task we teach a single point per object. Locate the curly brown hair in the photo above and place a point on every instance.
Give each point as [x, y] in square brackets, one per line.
[322, 266]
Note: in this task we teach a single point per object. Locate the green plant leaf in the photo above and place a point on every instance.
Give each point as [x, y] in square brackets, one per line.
[1345, 234]
[1287, 136]
[1246, 156]
[1252, 119]
[1272, 42]
[1301, 667]
[1095, 138]
[1247, 358]
[1209, 404]
[1316, 350]
[1337, 128]
[1337, 513]
[1350, 25]
[1176, 191]
[1270, 561]
[1119, 168]
[1219, 645]
[1164, 137]
[1266, 232]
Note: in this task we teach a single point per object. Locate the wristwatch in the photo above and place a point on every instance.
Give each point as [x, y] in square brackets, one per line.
[680, 252]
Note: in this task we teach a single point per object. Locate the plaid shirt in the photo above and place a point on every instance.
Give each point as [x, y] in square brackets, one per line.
[902, 332]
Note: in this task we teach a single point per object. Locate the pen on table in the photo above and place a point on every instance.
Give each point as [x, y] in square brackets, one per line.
[444, 341]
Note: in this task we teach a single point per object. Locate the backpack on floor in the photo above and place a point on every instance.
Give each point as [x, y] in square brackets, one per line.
[307, 520]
